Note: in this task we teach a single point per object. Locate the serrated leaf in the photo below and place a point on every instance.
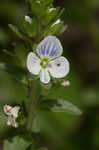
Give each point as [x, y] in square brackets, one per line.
[60, 106]
[16, 72]
[16, 143]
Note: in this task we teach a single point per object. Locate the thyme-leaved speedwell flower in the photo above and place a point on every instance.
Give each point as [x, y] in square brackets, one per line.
[12, 113]
[48, 60]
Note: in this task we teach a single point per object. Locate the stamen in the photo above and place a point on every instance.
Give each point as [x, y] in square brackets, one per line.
[44, 63]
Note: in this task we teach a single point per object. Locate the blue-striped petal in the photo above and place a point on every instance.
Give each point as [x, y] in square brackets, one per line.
[50, 47]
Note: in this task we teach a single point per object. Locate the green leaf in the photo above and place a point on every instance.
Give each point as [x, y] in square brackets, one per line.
[18, 33]
[15, 29]
[38, 7]
[3, 123]
[46, 3]
[16, 143]
[36, 125]
[8, 57]
[56, 28]
[60, 13]
[49, 15]
[60, 106]
[16, 72]
[21, 52]
[30, 28]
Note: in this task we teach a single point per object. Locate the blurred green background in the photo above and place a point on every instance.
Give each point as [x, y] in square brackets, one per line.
[61, 131]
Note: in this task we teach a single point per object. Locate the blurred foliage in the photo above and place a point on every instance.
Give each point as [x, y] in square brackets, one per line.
[18, 143]
[81, 44]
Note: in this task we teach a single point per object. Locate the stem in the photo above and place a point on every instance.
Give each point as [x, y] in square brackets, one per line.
[30, 117]
[34, 96]
[31, 108]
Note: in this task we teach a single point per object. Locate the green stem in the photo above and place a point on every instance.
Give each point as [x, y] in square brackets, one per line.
[30, 117]
[34, 95]
[31, 108]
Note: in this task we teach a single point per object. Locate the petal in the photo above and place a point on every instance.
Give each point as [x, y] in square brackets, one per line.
[14, 123]
[50, 47]
[7, 109]
[59, 67]
[15, 111]
[33, 63]
[9, 122]
[44, 76]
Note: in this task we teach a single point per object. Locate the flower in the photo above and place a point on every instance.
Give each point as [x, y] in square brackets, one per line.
[12, 113]
[48, 60]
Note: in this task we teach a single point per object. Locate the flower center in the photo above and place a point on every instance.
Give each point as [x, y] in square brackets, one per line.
[44, 63]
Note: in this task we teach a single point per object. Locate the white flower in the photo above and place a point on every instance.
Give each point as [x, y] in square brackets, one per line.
[49, 61]
[12, 113]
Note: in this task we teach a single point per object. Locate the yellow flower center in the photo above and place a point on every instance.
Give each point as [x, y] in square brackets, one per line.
[44, 63]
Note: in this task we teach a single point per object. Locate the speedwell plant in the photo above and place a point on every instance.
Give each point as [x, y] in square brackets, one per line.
[38, 66]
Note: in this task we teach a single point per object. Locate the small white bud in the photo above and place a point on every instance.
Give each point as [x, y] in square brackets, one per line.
[58, 21]
[28, 19]
[51, 9]
[65, 83]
